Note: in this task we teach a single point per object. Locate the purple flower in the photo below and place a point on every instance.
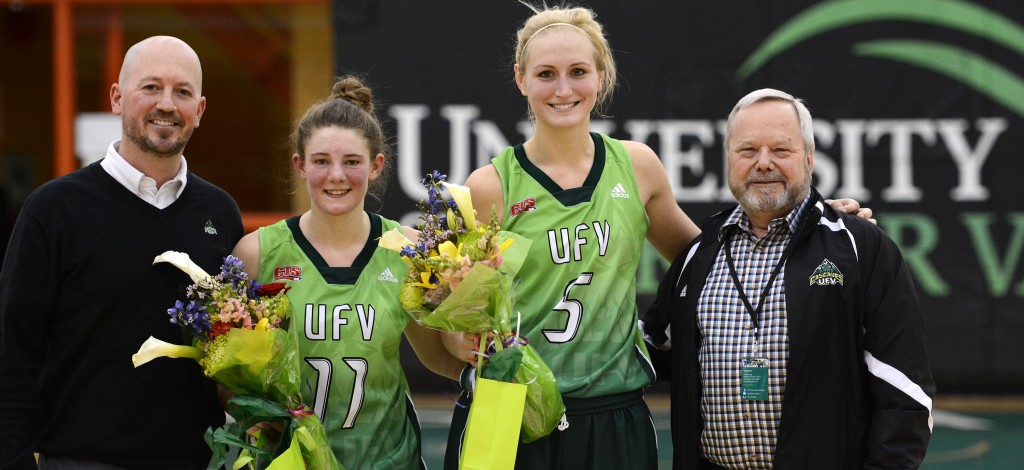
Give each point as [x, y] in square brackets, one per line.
[175, 310]
[432, 178]
[233, 271]
[254, 286]
[191, 315]
[231, 263]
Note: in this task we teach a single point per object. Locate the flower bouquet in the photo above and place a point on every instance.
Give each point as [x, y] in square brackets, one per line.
[240, 338]
[460, 272]
[460, 279]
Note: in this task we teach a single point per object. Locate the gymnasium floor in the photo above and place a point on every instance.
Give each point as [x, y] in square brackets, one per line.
[970, 433]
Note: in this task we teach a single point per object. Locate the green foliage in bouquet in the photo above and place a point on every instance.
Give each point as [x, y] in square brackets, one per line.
[299, 427]
[460, 272]
[240, 339]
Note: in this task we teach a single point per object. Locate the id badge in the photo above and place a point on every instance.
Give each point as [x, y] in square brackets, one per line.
[754, 379]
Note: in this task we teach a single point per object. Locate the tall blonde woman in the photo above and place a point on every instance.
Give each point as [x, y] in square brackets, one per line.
[588, 202]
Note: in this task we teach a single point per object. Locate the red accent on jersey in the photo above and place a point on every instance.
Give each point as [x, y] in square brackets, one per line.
[525, 205]
[287, 273]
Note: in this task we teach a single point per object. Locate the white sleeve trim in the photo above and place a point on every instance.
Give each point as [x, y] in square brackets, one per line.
[902, 383]
[689, 255]
[839, 226]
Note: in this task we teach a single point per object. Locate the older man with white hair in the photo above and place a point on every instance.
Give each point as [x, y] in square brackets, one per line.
[796, 335]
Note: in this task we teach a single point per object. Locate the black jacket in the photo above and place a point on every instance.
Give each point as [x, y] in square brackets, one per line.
[858, 385]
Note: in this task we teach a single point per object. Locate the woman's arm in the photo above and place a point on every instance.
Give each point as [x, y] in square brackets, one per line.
[671, 229]
[427, 344]
[248, 250]
[485, 186]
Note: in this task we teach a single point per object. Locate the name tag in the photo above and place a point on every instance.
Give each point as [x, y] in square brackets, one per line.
[754, 378]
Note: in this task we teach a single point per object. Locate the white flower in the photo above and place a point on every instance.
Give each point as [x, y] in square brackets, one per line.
[154, 348]
[184, 263]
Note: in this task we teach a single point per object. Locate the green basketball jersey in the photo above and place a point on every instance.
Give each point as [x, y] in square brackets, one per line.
[350, 324]
[577, 288]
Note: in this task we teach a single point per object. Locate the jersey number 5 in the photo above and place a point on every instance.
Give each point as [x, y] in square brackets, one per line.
[571, 306]
[323, 368]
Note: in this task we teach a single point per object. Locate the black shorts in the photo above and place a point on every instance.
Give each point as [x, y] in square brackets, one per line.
[612, 432]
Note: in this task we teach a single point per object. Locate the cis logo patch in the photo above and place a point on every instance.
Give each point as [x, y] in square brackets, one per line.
[287, 273]
[526, 205]
[826, 274]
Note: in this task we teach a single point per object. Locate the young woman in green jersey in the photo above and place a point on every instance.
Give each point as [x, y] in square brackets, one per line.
[344, 288]
[588, 202]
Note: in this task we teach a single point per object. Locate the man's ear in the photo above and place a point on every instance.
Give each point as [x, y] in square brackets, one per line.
[115, 99]
[199, 111]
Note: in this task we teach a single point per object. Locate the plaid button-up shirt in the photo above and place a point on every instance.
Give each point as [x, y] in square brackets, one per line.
[742, 433]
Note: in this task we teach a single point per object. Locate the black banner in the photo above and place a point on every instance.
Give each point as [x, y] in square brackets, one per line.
[918, 106]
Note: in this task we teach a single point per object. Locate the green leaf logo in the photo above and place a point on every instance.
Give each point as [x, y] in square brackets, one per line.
[986, 77]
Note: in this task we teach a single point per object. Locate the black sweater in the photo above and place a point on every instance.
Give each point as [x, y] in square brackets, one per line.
[78, 295]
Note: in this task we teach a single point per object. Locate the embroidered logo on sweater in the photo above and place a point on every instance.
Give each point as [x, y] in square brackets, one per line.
[210, 229]
[386, 275]
[526, 205]
[826, 274]
[619, 191]
[287, 273]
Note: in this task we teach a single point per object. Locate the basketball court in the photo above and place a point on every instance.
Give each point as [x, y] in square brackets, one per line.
[970, 433]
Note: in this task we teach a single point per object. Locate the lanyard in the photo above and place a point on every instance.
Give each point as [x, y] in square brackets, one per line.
[754, 312]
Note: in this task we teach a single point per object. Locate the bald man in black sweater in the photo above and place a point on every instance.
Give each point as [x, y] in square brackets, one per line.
[79, 293]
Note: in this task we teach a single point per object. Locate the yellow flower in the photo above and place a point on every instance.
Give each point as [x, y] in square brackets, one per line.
[394, 240]
[425, 276]
[465, 202]
[450, 250]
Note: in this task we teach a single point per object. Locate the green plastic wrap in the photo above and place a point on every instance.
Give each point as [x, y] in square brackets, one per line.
[301, 432]
[240, 338]
[483, 300]
[262, 368]
[252, 362]
[544, 407]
